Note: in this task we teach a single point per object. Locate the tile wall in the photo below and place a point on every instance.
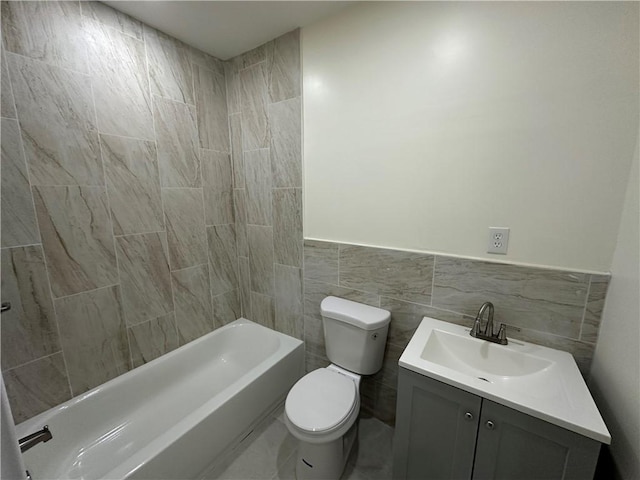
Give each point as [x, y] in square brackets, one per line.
[559, 309]
[118, 237]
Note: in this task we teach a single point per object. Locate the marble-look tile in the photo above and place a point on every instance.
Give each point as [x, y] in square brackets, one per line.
[192, 299]
[144, 276]
[313, 362]
[385, 404]
[263, 309]
[285, 119]
[29, 329]
[392, 273]
[287, 226]
[177, 140]
[133, 184]
[57, 120]
[315, 292]
[232, 80]
[595, 304]
[237, 156]
[77, 238]
[18, 215]
[36, 387]
[218, 194]
[284, 67]
[7, 103]
[288, 297]
[120, 83]
[244, 281]
[539, 299]
[255, 55]
[112, 18]
[211, 102]
[258, 181]
[186, 234]
[240, 209]
[314, 336]
[226, 308]
[388, 374]
[321, 261]
[261, 259]
[93, 336]
[223, 259]
[374, 455]
[152, 339]
[253, 107]
[170, 72]
[202, 59]
[406, 316]
[51, 32]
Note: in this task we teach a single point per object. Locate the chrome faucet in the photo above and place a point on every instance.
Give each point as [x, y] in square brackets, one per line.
[487, 333]
[35, 438]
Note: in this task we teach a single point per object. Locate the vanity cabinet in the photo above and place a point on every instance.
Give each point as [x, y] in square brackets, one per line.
[443, 432]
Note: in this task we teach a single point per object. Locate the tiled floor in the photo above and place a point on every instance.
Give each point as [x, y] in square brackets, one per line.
[270, 453]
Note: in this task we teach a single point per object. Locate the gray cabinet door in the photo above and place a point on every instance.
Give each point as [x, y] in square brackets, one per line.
[436, 427]
[515, 445]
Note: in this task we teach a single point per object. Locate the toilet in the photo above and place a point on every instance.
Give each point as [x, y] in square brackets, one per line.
[322, 407]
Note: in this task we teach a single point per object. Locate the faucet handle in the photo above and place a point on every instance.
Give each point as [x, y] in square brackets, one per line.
[475, 330]
[502, 334]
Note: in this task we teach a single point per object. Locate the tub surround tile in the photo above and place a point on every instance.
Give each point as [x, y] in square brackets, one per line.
[235, 131]
[29, 329]
[284, 67]
[152, 339]
[57, 121]
[315, 292]
[595, 304]
[285, 119]
[204, 60]
[120, 82]
[261, 259]
[131, 170]
[258, 181]
[253, 106]
[170, 71]
[37, 386]
[7, 103]
[232, 80]
[255, 55]
[177, 140]
[321, 261]
[211, 101]
[226, 308]
[192, 298]
[93, 336]
[263, 310]
[245, 286]
[240, 209]
[392, 273]
[77, 238]
[533, 298]
[223, 259]
[287, 226]
[288, 300]
[218, 194]
[186, 234]
[51, 32]
[112, 18]
[144, 276]
[18, 215]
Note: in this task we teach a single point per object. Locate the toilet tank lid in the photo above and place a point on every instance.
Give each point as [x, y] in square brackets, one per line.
[354, 313]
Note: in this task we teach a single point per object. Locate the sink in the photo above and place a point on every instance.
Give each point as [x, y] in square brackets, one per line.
[536, 380]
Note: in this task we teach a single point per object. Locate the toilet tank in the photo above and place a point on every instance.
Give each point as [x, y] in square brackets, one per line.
[354, 334]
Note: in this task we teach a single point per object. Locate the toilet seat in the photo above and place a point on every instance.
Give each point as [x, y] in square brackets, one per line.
[322, 401]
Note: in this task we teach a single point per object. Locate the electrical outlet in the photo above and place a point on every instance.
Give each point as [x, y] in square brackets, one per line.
[498, 240]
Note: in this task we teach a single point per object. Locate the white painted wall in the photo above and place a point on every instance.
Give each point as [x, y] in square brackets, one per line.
[615, 374]
[425, 123]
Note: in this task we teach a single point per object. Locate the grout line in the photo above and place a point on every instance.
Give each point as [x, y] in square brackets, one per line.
[138, 234]
[584, 310]
[42, 62]
[87, 291]
[26, 245]
[433, 279]
[37, 360]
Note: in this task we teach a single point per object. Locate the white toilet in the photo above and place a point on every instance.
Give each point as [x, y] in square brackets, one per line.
[322, 407]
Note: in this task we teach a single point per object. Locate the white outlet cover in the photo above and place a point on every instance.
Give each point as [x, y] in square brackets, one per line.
[498, 240]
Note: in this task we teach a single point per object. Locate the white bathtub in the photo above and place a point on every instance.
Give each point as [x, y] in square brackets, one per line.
[173, 417]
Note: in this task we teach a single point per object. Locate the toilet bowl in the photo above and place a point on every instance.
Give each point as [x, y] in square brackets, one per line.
[322, 408]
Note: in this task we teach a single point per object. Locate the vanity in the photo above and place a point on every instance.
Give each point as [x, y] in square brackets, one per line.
[470, 409]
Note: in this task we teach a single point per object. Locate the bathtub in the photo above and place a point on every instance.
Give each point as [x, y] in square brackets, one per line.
[173, 417]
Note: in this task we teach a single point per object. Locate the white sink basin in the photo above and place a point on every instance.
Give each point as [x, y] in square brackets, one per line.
[542, 382]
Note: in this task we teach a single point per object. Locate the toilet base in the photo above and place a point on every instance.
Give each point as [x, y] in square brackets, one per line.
[325, 461]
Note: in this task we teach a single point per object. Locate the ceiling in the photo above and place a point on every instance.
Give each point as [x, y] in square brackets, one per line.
[225, 29]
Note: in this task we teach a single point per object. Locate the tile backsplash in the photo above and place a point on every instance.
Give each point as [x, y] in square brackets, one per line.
[555, 308]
